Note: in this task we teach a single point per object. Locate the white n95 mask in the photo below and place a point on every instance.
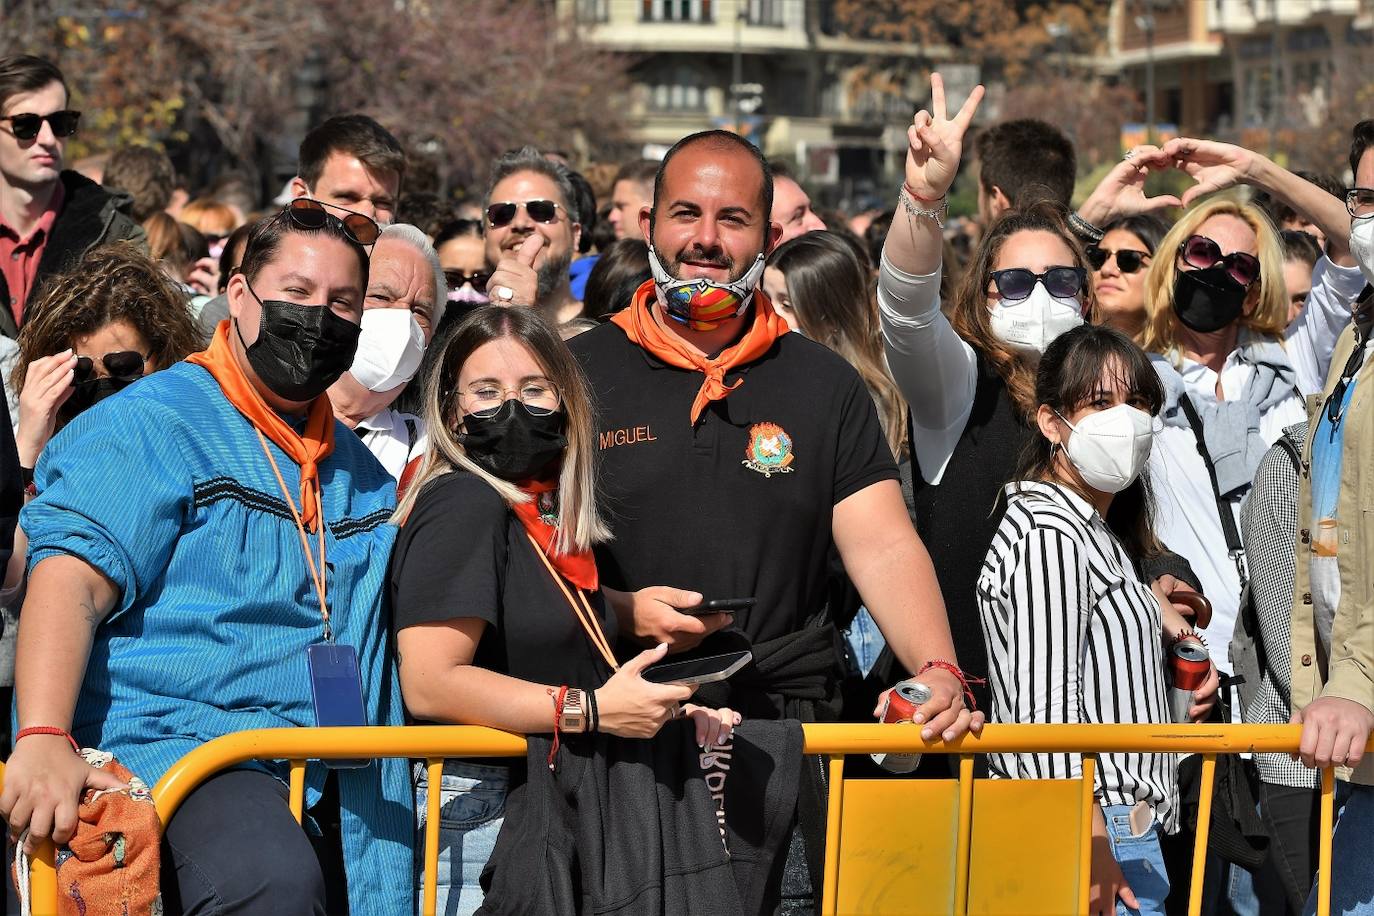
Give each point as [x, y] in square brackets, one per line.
[1362, 245]
[1110, 448]
[390, 349]
[1034, 322]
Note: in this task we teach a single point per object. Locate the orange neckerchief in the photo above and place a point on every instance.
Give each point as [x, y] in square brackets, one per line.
[639, 325]
[307, 451]
[578, 568]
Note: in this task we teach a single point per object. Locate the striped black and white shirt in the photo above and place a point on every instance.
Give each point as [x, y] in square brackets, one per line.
[1074, 636]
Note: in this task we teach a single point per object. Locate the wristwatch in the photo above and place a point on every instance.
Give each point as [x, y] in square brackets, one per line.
[573, 716]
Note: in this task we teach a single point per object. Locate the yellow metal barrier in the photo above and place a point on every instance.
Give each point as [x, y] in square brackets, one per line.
[435, 743]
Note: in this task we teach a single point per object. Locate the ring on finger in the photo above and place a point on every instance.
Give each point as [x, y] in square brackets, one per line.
[504, 293]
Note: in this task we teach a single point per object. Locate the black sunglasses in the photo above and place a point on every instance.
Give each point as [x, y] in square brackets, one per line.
[1201, 252]
[1016, 283]
[311, 214]
[26, 126]
[541, 211]
[123, 366]
[1128, 260]
[456, 278]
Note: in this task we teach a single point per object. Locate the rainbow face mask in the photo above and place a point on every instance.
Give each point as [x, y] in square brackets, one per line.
[699, 303]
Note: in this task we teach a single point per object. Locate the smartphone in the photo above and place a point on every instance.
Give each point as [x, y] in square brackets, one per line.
[720, 606]
[337, 688]
[698, 670]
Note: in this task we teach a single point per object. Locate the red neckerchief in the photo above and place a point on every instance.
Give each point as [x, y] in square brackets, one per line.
[578, 568]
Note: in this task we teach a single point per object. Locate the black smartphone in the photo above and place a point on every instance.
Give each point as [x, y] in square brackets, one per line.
[698, 670]
[337, 688]
[720, 606]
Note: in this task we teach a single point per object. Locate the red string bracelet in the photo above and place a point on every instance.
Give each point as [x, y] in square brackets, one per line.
[557, 714]
[925, 200]
[964, 679]
[47, 730]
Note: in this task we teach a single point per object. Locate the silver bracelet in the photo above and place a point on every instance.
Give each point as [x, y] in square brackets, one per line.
[914, 210]
[1085, 229]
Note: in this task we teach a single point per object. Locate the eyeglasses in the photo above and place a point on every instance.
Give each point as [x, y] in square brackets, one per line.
[484, 399]
[456, 278]
[311, 214]
[1359, 202]
[1128, 260]
[541, 211]
[124, 366]
[26, 126]
[1201, 252]
[1016, 283]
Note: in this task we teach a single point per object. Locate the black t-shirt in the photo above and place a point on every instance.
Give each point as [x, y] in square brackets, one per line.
[463, 553]
[739, 505]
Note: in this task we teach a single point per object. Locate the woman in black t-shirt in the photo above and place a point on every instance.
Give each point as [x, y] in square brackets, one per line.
[495, 599]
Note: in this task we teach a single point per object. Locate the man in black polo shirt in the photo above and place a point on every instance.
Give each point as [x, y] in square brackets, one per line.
[733, 453]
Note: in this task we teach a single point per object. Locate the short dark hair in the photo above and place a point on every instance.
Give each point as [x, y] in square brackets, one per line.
[1361, 141]
[146, 174]
[1300, 246]
[718, 139]
[425, 210]
[354, 135]
[622, 268]
[1147, 227]
[641, 171]
[265, 238]
[586, 209]
[457, 228]
[1027, 158]
[26, 73]
[530, 159]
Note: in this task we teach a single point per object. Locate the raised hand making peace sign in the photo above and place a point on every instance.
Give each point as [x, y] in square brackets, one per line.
[935, 142]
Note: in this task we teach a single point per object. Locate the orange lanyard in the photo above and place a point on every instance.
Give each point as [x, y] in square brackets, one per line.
[584, 613]
[316, 571]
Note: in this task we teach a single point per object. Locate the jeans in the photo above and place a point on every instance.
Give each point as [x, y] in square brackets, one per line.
[233, 847]
[472, 805]
[1141, 861]
[1352, 851]
[865, 641]
[1291, 817]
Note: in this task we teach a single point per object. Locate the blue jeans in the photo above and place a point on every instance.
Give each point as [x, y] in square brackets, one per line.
[1352, 852]
[1141, 861]
[865, 640]
[472, 805]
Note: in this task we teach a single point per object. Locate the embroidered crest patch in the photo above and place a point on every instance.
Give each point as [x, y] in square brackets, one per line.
[769, 450]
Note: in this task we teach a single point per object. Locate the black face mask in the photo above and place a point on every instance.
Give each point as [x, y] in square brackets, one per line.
[513, 443]
[301, 349]
[91, 392]
[1207, 300]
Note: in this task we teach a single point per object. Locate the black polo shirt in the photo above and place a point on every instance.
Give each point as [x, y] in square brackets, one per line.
[738, 505]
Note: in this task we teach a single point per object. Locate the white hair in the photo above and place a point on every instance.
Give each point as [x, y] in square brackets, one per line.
[412, 236]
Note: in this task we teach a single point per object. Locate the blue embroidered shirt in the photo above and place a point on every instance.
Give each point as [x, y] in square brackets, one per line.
[165, 489]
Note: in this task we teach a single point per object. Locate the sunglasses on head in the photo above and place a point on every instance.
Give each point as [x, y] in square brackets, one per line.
[1016, 283]
[312, 214]
[541, 211]
[1201, 252]
[456, 278]
[26, 126]
[123, 366]
[1128, 260]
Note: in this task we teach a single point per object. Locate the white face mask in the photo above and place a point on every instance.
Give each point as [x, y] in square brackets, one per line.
[1362, 245]
[390, 349]
[1033, 322]
[1110, 447]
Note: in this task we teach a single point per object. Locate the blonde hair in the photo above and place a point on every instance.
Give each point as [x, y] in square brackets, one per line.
[580, 524]
[209, 216]
[1267, 298]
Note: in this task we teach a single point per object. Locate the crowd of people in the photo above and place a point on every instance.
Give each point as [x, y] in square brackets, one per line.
[359, 457]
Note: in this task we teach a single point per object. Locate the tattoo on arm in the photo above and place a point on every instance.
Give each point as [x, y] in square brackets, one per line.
[93, 615]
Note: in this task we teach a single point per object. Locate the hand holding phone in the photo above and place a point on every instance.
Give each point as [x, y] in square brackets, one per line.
[696, 671]
[720, 606]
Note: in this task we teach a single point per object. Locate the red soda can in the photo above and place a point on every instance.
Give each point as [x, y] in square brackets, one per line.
[902, 702]
[1189, 665]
